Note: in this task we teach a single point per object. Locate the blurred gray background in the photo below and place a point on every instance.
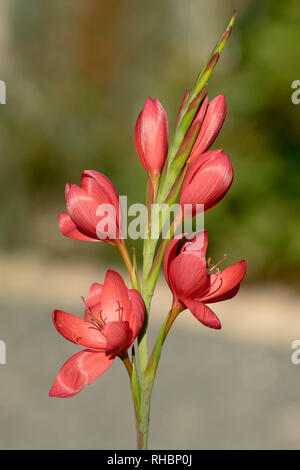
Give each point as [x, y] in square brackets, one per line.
[77, 75]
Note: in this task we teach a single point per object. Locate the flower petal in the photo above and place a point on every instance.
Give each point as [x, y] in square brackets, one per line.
[101, 189]
[82, 209]
[69, 229]
[138, 142]
[211, 126]
[92, 181]
[188, 275]
[227, 296]
[115, 303]
[231, 278]
[119, 337]
[138, 308]
[214, 284]
[202, 111]
[94, 301]
[170, 254]
[207, 181]
[203, 313]
[81, 369]
[78, 331]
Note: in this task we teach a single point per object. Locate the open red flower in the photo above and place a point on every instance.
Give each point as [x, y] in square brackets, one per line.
[151, 137]
[93, 210]
[207, 181]
[193, 283]
[113, 317]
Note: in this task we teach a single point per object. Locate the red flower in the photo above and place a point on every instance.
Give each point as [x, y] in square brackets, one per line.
[95, 201]
[113, 318]
[207, 180]
[194, 284]
[212, 117]
[151, 137]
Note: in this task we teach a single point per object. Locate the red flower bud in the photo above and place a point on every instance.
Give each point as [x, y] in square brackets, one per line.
[211, 126]
[207, 180]
[151, 137]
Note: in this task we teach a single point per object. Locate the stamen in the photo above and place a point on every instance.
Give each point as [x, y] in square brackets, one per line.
[95, 321]
[213, 267]
[101, 317]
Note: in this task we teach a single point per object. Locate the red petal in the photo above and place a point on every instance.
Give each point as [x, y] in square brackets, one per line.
[92, 179]
[170, 254]
[203, 313]
[231, 278]
[199, 120]
[69, 229]
[138, 308]
[188, 275]
[227, 296]
[77, 330]
[207, 182]
[138, 143]
[214, 284]
[212, 124]
[82, 209]
[94, 300]
[101, 189]
[81, 369]
[119, 337]
[115, 303]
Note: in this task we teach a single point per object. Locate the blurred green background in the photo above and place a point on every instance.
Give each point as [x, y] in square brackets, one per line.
[77, 75]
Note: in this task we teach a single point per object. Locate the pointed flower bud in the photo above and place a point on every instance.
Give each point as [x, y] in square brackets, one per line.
[212, 123]
[207, 181]
[151, 137]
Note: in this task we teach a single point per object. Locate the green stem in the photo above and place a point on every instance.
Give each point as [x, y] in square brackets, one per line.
[141, 405]
[156, 352]
[135, 392]
[145, 413]
[149, 377]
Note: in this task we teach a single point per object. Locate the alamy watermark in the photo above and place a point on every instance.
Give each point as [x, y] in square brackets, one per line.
[295, 356]
[2, 352]
[295, 96]
[166, 220]
[2, 92]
